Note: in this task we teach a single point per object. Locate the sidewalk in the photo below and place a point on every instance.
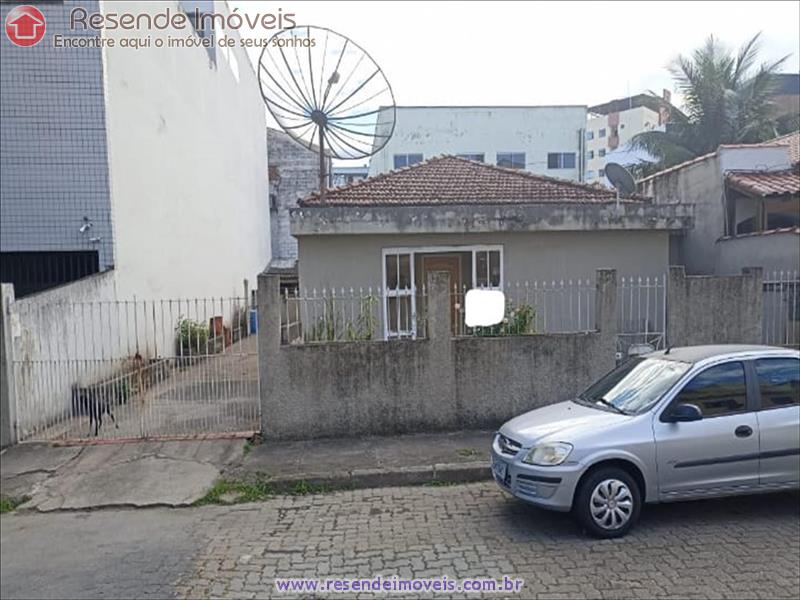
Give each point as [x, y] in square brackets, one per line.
[114, 475]
[178, 473]
[370, 461]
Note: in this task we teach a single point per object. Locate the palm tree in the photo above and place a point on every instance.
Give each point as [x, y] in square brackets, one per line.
[727, 100]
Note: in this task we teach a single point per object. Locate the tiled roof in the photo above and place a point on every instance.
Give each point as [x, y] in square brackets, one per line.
[764, 183]
[790, 139]
[447, 180]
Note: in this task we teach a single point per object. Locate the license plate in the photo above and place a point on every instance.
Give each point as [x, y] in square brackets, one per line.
[499, 468]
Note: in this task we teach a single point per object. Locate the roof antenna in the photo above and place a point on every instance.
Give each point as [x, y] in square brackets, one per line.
[333, 98]
[621, 179]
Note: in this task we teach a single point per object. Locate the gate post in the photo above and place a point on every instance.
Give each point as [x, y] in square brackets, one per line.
[8, 400]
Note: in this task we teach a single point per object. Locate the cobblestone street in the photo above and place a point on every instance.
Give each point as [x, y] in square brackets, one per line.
[736, 548]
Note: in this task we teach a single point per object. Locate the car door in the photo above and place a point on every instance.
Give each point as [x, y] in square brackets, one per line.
[717, 454]
[778, 420]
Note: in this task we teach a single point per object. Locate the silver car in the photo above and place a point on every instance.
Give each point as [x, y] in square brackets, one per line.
[683, 423]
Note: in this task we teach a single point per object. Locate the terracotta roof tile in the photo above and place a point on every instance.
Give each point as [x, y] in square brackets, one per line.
[448, 180]
[766, 183]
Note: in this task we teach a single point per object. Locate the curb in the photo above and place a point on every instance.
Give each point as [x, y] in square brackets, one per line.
[442, 473]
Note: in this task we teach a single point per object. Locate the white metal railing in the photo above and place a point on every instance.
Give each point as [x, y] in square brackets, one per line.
[344, 315]
[781, 309]
[157, 367]
[642, 313]
[554, 306]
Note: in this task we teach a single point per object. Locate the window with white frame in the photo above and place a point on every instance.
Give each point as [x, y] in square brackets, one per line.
[400, 303]
[487, 269]
[478, 157]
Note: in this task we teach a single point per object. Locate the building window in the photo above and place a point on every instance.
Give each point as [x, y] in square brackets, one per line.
[475, 157]
[487, 268]
[561, 160]
[601, 152]
[406, 160]
[399, 290]
[590, 154]
[511, 160]
[601, 173]
[589, 135]
[201, 16]
[601, 133]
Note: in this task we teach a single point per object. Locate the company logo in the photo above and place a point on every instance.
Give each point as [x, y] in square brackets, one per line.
[25, 25]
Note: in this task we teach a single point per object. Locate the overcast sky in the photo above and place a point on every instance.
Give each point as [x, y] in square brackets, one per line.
[462, 53]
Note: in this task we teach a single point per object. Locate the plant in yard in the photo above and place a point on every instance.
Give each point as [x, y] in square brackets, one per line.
[192, 337]
[518, 320]
[364, 328]
[727, 99]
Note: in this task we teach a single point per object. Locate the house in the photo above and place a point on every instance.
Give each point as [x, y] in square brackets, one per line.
[747, 207]
[547, 140]
[611, 126]
[487, 226]
[146, 164]
[293, 175]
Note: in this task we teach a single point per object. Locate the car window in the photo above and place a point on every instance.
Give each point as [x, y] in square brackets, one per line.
[636, 385]
[717, 391]
[779, 381]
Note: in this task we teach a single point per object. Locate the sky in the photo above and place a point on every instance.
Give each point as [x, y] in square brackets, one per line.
[515, 53]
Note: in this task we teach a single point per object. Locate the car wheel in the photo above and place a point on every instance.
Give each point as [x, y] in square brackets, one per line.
[608, 503]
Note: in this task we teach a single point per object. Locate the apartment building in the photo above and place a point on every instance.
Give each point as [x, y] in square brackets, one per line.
[545, 140]
[610, 127]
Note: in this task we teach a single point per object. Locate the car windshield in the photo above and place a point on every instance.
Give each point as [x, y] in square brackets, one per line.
[634, 386]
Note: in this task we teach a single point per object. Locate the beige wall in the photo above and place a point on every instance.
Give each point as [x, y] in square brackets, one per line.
[355, 260]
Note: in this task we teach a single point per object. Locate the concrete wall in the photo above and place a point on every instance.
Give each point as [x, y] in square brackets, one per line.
[773, 252]
[440, 383]
[355, 260]
[535, 130]
[188, 156]
[54, 163]
[57, 338]
[702, 184]
[714, 310]
[293, 175]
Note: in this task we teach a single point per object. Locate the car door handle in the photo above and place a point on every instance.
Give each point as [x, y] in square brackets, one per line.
[743, 431]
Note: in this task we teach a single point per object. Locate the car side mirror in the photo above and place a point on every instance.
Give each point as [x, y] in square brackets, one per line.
[683, 413]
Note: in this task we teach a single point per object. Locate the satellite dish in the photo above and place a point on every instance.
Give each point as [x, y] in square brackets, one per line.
[621, 179]
[327, 93]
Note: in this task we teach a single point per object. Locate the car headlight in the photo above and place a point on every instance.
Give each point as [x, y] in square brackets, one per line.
[548, 455]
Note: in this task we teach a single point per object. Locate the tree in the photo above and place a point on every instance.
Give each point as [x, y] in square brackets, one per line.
[727, 100]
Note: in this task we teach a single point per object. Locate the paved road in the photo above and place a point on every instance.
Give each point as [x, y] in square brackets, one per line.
[737, 548]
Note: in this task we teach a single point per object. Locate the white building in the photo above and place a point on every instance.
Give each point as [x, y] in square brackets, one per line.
[611, 126]
[151, 166]
[546, 140]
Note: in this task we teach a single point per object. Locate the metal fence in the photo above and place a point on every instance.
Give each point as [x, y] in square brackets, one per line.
[135, 369]
[565, 305]
[553, 306]
[781, 309]
[642, 314]
[352, 315]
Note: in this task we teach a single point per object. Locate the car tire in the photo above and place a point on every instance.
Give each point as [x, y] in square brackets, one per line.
[608, 503]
